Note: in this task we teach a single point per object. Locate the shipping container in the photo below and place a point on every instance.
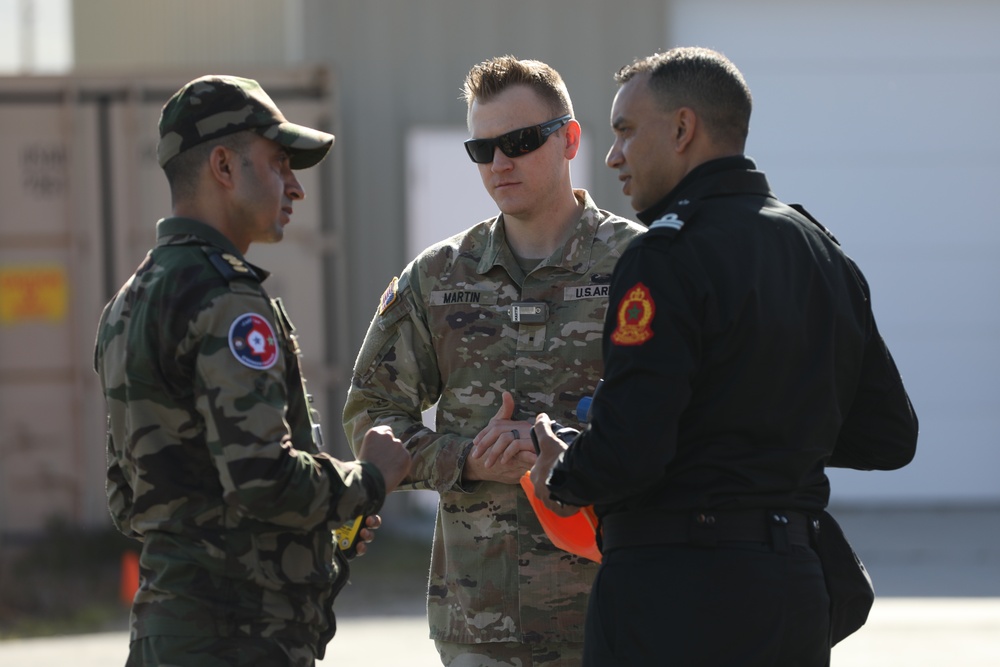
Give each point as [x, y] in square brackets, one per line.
[81, 193]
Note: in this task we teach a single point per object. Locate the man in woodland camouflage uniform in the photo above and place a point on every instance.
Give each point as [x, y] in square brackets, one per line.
[495, 325]
[213, 451]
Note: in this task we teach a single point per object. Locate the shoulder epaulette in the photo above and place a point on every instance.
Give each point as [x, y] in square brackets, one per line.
[673, 221]
[229, 265]
[667, 225]
[801, 209]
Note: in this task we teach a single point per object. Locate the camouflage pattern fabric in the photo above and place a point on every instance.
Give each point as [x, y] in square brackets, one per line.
[443, 335]
[214, 106]
[213, 456]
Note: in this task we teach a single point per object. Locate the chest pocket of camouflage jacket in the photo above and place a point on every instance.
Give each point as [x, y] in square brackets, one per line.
[469, 325]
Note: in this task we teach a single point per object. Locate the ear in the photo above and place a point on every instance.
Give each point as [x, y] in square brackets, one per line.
[573, 132]
[222, 166]
[686, 121]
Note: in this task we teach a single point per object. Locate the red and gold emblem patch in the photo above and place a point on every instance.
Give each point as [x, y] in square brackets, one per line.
[635, 312]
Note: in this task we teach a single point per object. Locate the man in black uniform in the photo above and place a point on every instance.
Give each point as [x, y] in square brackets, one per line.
[741, 358]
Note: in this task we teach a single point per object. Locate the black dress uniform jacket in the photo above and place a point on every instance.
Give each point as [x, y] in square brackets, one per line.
[741, 358]
[759, 361]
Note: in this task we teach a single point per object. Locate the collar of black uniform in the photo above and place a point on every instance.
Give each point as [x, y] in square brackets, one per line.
[740, 162]
[174, 226]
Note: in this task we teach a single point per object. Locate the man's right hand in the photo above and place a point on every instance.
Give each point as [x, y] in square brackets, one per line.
[502, 451]
[387, 452]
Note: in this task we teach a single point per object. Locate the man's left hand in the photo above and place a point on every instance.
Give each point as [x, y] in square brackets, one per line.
[372, 523]
[502, 451]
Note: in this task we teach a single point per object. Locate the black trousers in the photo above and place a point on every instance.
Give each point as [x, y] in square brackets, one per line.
[181, 651]
[738, 604]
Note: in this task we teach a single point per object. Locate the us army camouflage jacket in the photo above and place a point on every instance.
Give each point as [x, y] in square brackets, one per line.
[211, 455]
[444, 334]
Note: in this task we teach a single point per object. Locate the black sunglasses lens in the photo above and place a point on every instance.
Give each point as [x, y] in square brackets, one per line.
[513, 144]
[480, 150]
[519, 142]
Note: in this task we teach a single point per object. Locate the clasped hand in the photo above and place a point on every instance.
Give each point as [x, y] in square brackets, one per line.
[502, 451]
[550, 448]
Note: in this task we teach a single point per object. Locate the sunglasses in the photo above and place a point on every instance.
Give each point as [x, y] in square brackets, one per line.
[514, 143]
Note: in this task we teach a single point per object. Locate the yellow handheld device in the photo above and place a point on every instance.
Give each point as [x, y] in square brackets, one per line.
[347, 536]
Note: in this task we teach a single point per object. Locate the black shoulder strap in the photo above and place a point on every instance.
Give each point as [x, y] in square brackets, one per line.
[801, 209]
[667, 225]
[229, 265]
[674, 219]
[855, 269]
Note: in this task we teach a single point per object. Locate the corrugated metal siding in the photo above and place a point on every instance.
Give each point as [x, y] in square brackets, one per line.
[401, 64]
[398, 64]
[848, 121]
[80, 206]
[130, 34]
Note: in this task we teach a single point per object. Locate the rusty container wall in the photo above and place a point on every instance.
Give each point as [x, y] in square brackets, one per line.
[303, 266]
[50, 261]
[81, 193]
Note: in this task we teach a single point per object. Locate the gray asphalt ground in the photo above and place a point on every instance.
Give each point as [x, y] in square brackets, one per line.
[936, 573]
[915, 632]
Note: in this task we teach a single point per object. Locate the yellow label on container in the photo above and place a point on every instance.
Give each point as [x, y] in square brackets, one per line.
[33, 294]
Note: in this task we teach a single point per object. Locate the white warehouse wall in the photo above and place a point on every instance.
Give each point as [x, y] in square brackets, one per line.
[880, 117]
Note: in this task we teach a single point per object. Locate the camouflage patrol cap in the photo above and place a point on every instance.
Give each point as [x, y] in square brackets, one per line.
[213, 106]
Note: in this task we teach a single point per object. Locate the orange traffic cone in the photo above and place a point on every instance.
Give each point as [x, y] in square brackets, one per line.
[129, 577]
[576, 534]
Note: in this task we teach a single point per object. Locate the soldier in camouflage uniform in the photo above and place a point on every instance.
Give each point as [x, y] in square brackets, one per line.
[494, 325]
[214, 459]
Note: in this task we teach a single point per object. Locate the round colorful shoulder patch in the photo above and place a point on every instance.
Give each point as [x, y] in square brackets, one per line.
[635, 312]
[253, 342]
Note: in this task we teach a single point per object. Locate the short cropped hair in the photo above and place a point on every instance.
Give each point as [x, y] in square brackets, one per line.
[182, 170]
[491, 77]
[704, 80]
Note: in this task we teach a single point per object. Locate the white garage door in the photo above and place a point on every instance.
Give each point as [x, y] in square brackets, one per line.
[881, 118]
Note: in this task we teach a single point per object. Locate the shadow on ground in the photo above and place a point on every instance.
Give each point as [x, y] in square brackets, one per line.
[67, 581]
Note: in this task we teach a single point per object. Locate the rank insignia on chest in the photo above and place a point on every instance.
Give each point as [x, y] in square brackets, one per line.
[635, 313]
[389, 295]
[528, 312]
[252, 341]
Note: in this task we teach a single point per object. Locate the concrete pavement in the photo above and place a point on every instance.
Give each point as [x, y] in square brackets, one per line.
[936, 574]
[916, 632]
